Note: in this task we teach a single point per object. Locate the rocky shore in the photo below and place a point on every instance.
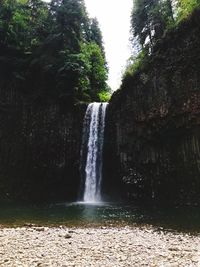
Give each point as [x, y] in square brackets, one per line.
[109, 247]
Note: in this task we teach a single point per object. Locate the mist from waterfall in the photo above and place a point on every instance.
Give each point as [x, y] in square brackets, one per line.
[92, 152]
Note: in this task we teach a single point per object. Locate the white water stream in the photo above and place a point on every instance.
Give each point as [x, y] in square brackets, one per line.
[92, 151]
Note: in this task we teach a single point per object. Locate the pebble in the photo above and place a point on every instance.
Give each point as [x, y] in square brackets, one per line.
[68, 236]
[97, 247]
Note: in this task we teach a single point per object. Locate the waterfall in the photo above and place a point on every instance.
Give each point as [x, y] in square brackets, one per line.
[92, 152]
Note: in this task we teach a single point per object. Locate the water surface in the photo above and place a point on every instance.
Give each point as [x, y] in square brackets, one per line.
[100, 214]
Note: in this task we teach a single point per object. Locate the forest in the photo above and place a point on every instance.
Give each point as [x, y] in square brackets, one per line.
[57, 46]
[52, 50]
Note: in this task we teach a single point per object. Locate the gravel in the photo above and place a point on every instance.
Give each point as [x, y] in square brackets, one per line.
[81, 247]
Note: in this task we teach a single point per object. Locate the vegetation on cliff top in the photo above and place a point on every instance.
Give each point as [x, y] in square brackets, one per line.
[52, 50]
[150, 21]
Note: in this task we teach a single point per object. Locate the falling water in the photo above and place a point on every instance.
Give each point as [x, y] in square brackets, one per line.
[92, 151]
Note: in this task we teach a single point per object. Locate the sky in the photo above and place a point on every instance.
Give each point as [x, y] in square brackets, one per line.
[114, 20]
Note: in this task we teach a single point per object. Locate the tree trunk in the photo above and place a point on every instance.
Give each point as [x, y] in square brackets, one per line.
[170, 8]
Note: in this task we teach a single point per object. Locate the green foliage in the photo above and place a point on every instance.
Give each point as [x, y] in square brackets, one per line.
[104, 96]
[152, 18]
[20, 22]
[149, 20]
[138, 21]
[135, 64]
[55, 48]
[95, 74]
[185, 7]
[96, 35]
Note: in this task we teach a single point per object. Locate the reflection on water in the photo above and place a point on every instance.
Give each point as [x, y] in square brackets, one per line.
[89, 212]
[100, 214]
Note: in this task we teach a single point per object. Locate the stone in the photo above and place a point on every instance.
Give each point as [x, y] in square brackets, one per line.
[152, 137]
[68, 236]
[142, 247]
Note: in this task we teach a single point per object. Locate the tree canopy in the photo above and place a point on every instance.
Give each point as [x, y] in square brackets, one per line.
[150, 20]
[52, 50]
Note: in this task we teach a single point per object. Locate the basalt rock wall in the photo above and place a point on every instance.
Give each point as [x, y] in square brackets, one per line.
[39, 147]
[152, 145]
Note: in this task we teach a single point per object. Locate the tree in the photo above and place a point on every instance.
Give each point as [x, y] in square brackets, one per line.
[70, 17]
[95, 33]
[185, 7]
[139, 20]
[95, 74]
[38, 21]
[169, 9]
[54, 49]
[150, 19]
[22, 22]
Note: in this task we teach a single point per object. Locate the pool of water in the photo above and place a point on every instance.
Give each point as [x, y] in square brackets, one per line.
[100, 214]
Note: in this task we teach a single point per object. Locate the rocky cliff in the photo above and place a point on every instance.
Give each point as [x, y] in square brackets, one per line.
[153, 123]
[39, 147]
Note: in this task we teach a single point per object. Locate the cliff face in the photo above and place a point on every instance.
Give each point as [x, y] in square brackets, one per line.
[39, 148]
[153, 123]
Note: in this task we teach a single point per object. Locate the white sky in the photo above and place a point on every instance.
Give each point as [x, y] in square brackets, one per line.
[114, 20]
